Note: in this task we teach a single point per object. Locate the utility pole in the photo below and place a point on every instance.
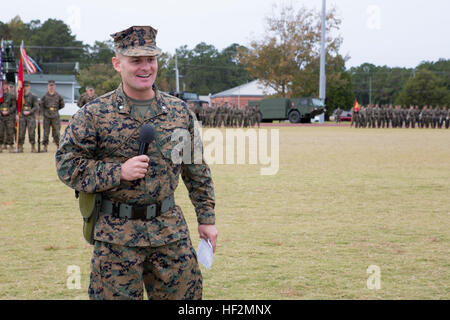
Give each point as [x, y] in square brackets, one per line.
[367, 69]
[177, 75]
[322, 84]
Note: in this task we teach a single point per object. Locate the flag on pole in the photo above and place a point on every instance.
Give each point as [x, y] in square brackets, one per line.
[19, 98]
[356, 106]
[20, 86]
[1, 74]
[29, 63]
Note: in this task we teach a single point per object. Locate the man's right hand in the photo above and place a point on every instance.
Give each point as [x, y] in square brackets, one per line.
[134, 168]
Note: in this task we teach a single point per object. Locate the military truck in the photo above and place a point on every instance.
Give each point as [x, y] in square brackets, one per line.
[293, 109]
[192, 100]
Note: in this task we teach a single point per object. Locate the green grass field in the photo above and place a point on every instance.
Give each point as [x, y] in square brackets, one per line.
[343, 199]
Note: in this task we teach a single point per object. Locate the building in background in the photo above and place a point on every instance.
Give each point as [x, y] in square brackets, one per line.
[66, 85]
[242, 94]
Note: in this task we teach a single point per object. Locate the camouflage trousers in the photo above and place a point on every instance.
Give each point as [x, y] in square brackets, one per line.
[27, 123]
[53, 123]
[168, 272]
[7, 130]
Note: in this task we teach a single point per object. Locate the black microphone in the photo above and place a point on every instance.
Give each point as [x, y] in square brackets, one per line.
[146, 136]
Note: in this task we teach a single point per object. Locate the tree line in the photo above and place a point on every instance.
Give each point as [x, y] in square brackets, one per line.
[286, 59]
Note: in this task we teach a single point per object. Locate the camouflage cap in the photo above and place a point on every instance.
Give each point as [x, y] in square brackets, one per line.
[137, 41]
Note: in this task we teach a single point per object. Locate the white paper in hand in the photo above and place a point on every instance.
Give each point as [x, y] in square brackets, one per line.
[205, 253]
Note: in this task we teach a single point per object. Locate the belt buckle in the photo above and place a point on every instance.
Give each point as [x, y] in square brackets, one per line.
[138, 212]
[151, 211]
[116, 209]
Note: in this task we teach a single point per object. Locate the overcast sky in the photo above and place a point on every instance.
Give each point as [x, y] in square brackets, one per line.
[383, 32]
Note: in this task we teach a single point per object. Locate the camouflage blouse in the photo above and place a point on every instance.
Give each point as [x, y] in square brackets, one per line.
[104, 134]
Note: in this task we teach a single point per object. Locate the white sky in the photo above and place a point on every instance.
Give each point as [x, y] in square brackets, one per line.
[383, 32]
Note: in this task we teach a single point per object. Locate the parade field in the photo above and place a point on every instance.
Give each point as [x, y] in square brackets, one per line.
[350, 214]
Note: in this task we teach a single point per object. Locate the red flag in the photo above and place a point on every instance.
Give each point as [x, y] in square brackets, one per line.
[20, 86]
[356, 106]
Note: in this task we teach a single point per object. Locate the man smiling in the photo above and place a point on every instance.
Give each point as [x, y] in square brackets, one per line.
[141, 237]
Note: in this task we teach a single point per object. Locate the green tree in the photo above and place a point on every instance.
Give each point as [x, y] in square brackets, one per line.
[380, 84]
[440, 68]
[425, 88]
[283, 59]
[62, 45]
[101, 52]
[103, 77]
[204, 69]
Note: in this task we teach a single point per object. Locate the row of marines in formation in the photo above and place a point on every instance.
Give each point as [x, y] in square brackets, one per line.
[48, 106]
[228, 115]
[381, 116]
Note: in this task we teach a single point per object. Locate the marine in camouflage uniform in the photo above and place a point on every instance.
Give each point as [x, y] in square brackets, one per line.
[362, 119]
[442, 116]
[382, 116]
[426, 116]
[389, 117]
[98, 154]
[435, 114]
[7, 120]
[395, 117]
[416, 117]
[377, 116]
[50, 104]
[27, 118]
[220, 115]
[86, 97]
[368, 116]
[257, 115]
[212, 116]
[447, 118]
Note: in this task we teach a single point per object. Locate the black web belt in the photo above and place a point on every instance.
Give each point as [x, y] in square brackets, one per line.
[143, 212]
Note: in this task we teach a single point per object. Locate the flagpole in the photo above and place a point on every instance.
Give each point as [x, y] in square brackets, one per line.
[322, 80]
[19, 98]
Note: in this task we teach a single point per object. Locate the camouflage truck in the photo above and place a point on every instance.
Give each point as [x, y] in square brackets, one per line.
[192, 100]
[293, 109]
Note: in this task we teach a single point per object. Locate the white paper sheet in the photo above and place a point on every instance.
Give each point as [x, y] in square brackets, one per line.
[205, 253]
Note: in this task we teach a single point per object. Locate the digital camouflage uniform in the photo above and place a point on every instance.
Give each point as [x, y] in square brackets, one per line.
[84, 99]
[389, 117]
[382, 116]
[28, 122]
[132, 253]
[447, 118]
[50, 105]
[7, 120]
[442, 115]
[257, 115]
[107, 128]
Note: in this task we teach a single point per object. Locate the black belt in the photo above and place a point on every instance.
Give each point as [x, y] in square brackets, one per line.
[132, 212]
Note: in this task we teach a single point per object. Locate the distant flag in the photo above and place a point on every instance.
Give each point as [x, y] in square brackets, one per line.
[29, 63]
[356, 106]
[35, 64]
[20, 86]
[1, 74]
[19, 97]
[1, 77]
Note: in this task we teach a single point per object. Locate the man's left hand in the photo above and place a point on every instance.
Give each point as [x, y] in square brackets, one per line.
[208, 231]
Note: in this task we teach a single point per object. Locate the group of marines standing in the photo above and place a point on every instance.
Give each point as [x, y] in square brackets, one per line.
[381, 116]
[228, 115]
